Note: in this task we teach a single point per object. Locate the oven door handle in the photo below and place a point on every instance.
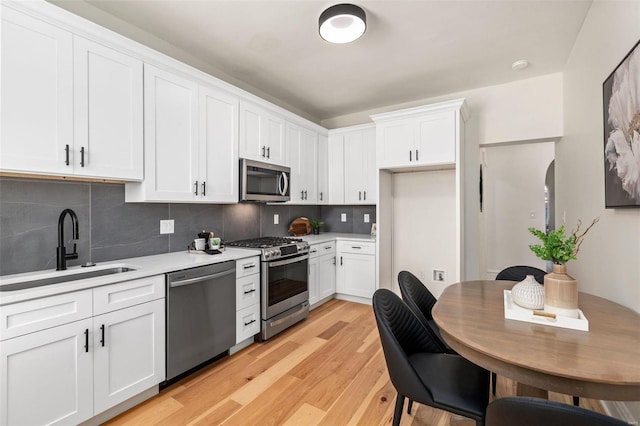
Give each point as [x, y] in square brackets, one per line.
[288, 317]
[288, 261]
[200, 279]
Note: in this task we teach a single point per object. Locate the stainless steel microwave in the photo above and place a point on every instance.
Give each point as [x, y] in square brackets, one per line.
[264, 182]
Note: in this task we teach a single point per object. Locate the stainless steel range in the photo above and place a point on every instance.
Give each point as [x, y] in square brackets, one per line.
[284, 281]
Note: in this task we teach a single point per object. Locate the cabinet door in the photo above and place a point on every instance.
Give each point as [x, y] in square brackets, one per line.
[436, 138]
[356, 274]
[355, 158]
[47, 377]
[37, 96]
[275, 139]
[129, 353]
[336, 169]
[370, 170]
[107, 112]
[171, 136]
[396, 143]
[218, 146]
[309, 171]
[294, 160]
[247, 322]
[314, 276]
[326, 276]
[251, 142]
[322, 195]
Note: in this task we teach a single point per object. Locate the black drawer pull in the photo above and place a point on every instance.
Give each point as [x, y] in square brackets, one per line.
[102, 333]
[250, 291]
[86, 340]
[66, 149]
[249, 266]
[195, 185]
[250, 322]
[82, 156]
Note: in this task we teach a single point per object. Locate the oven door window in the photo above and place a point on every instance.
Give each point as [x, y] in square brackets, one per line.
[286, 281]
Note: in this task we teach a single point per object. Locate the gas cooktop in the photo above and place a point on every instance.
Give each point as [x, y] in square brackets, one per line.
[264, 242]
[274, 247]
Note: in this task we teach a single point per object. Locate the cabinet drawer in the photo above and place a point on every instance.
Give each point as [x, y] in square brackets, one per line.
[317, 250]
[122, 295]
[248, 266]
[247, 291]
[247, 323]
[356, 247]
[38, 314]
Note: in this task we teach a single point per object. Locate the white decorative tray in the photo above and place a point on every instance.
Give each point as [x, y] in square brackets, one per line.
[518, 313]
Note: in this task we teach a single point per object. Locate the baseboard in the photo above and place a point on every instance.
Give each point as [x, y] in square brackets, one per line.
[356, 299]
[619, 410]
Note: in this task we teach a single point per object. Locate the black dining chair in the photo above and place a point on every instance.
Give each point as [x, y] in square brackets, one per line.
[420, 371]
[523, 411]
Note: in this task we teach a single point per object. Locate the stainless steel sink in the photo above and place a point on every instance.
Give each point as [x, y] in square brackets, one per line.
[31, 283]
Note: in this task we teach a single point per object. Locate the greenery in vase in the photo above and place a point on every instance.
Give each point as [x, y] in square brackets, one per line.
[558, 247]
[316, 224]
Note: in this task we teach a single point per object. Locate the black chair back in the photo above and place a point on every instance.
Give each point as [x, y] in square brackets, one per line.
[522, 411]
[520, 272]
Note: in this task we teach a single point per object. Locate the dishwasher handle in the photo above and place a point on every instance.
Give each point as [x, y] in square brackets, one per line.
[200, 279]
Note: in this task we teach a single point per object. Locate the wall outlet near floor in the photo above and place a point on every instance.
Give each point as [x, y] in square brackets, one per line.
[343, 217]
[366, 218]
[166, 226]
[439, 275]
[276, 219]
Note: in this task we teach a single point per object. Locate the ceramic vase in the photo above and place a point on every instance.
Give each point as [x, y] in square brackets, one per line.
[528, 293]
[561, 293]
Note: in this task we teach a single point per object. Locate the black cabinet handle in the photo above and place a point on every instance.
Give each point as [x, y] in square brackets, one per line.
[66, 150]
[320, 195]
[302, 195]
[250, 291]
[340, 260]
[253, 265]
[334, 260]
[196, 186]
[416, 155]
[82, 156]
[86, 340]
[204, 189]
[410, 153]
[360, 195]
[250, 322]
[263, 151]
[365, 195]
[268, 152]
[102, 335]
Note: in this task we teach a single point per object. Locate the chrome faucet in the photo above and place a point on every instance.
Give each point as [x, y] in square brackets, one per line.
[61, 252]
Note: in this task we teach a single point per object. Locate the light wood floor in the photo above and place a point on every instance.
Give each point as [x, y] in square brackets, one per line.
[327, 370]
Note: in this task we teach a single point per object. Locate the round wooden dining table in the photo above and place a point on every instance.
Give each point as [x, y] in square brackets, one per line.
[602, 363]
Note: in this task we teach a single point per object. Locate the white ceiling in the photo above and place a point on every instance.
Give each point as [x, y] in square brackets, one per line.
[411, 50]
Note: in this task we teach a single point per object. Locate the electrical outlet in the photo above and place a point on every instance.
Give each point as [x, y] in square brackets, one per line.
[166, 226]
[343, 217]
[439, 275]
[366, 218]
[276, 219]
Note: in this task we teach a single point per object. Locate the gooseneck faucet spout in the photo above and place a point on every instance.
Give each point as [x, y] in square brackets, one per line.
[61, 252]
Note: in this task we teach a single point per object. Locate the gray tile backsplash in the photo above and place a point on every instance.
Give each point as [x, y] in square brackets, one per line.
[111, 229]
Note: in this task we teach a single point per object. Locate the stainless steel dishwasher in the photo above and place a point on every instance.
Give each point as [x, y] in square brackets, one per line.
[201, 315]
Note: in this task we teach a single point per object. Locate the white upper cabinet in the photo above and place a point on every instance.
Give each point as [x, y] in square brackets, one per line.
[37, 96]
[323, 170]
[107, 112]
[335, 154]
[262, 135]
[359, 163]
[301, 157]
[419, 137]
[190, 142]
[69, 106]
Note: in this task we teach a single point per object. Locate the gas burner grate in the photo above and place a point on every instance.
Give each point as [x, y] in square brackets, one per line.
[264, 242]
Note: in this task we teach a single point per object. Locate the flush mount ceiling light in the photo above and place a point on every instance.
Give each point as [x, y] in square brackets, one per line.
[342, 23]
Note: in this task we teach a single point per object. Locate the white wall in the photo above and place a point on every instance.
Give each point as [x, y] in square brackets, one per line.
[608, 264]
[424, 221]
[513, 180]
[522, 110]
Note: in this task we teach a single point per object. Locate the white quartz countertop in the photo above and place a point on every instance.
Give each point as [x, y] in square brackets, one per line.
[332, 236]
[144, 267]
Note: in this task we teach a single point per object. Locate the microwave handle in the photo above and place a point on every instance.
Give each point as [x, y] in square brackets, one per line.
[283, 184]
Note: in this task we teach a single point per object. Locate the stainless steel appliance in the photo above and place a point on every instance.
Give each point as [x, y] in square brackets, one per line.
[263, 182]
[284, 281]
[201, 315]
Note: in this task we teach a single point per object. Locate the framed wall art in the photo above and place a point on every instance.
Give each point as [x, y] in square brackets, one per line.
[621, 105]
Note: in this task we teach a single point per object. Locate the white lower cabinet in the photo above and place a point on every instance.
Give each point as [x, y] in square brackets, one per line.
[64, 374]
[247, 298]
[322, 271]
[356, 263]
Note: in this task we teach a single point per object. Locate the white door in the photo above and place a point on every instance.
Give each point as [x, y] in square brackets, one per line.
[354, 166]
[336, 169]
[314, 276]
[369, 171]
[396, 143]
[129, 353]
[218, 146]
[37, 96]
[275, 139]
[108, 117]
[171, 136]
[356, 275]
[326, 276]
[47, 377]
[436, 138]
[323, 170]
[308, 164]
[252, 143]
[294, 160]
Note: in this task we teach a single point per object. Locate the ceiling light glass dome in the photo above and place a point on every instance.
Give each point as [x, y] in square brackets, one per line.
[342, 23]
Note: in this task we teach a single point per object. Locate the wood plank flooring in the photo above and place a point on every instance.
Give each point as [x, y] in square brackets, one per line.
[327, 370]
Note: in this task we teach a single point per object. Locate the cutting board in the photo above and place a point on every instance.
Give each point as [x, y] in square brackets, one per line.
[300, 226]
